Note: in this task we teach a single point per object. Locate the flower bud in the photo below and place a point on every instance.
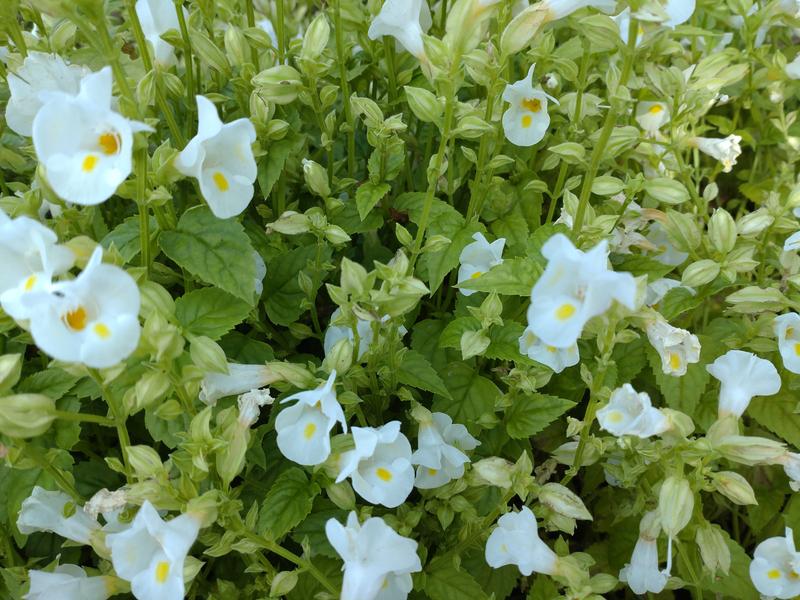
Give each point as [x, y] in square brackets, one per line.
[700, 273]
[675, 505]
[340, 357]
[10, 369]
[207, 355]
[259, 110]
[473, 343]
[423, 104]
[336, 235]
[145, 461]
[151, 388]
[26, 415]
[341, 494]
[279, 84]
[315, 38]
[679, 422]
[565, 453]
[235, 45]
[204, 508]
[755, 222]
[230, 458]
[563, 501]
[713, 550]
[722, 231]
[754, 299]
[522, 28]
[290, 223]
[750, 450]
[494, 471]
[155, 298]
[162, 339]
[316, 178]
[734, 487]
[283, 583]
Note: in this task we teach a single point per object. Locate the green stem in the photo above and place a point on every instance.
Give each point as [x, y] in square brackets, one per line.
[562, 175]
[41, 460]
[251, 22]
[191, 91]
[388, 52]
[15, 31]
[113, 58]
[84, 417]
[118, 414]
[345, 85]
[141, 202]
[280, 30]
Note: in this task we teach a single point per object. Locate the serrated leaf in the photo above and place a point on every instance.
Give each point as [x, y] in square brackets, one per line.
[125, 238]
[215, 250]
[283, 294]
[438, 264]
[637, 264]
[210, 312]
[444, 582]
[451, 336]
[514, 277]
[368, 195]
[288, 502]
[416, 371]
[680, 393]
[471, 395]
[530, 414]
[777, 413]
[53, 383]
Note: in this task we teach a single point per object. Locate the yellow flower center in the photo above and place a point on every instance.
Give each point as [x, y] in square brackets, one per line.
[89, 163]
[789, 331]
[526, 121]
[476, 274]
[615, 416]
[774, 574]
[309, 430]
[432, 471]
[30, 282]
[109, 143]
[162, 571]
[565, 311]
[797, 349]
[655, 109]
[383, 474]
[76, 319]
[674, 361]
[102, 330]
[532, 104]
[221, 181]
[552, 349]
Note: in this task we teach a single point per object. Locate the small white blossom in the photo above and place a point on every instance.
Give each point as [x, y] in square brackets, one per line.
[46, 510]
[559, 9]
[404, 20]
[787, 329]
[666, 251]
[69, 582]
[557, 359]
[775, 569]
[725, 150]
[250, 405]
[478, 257]
[651, 116]
[157, 17]
[631, 413]
[743, 375]
[677, 347]
[642, 574]
[526, 121]
[440, 455]
[659, 288]
[515, 541]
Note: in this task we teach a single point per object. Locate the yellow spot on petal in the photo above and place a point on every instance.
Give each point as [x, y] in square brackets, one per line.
[797, 349]
[565, 311]
[532, 104]
[89, 163]
[432, 471]
[385, 583]
[552, 349]
[30, 282]
[774, 574]
[102, 330]
[476, 274]
[76, 319]
[308, 432]
[655, 109]
[383, 474]
[526, 121]
[162, 571]
[674, 361]
[789, 331]
[503, 548]
[109, 143]
[615, 416]
[221, 181]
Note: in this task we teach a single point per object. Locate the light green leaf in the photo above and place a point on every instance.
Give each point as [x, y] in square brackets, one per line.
[288, 502]
[125, 238]
[210, 312]
[680, 393]
[54, 383]
[368, 195]
[515, 277]
[528, 415]
[439, 264]
[416, 371]
[778, 414]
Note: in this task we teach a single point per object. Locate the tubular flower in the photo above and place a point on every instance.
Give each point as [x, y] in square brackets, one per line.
[642, 574]
[239, 380]
[557, 359]
[440, 455]
[84, 146]
[515, 541]
[787, 329]
[220, 157]
[742, 375]
[526, 121]
[405, 21]
[725, 150]
[157, 17]
[775, 569]
[46, 510]
[677, 347]
[478, 257]
[651, 116]
[69, 582]
[630, 413]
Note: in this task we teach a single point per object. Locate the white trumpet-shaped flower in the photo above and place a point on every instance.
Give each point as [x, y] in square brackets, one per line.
[725, 150]
[405, 21]
[151, 552]
[93, 319]
[574, 287]
[238, 380]
[775, 569]
[666, 252]
[678, 12]
[157, 17]
[440, 455]
[557, 359]
[84, 146]
[304, 428]
[69, 582]
[651, 116]
[515, 541]
[378, 561]
[526, 121]
[380, 465]
[742, 375]
[478, 257]
[629, 412]
[39, 73]
[677, 347]
[642, 574]
[787, 329]
[46, 510]
[221, 158]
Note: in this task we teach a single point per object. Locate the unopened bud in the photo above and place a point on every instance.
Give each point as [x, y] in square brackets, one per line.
[340, 357]
[207, 355]
[749, 450]
[283, 583]
[700, 273]
[341, 494]
[563, 501]
[10, 369]
[675, 505]
[290, 223]
[423, 104]
[316, 37]
[316, 178]
[336, 235]
[279, 84]
[713, 550]
[734, 487]
[235, 45]
[755, 222]
[26, 415]
[722, 231]
[494, 471]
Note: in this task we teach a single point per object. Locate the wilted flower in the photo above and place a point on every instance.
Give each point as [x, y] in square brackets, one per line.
[557, 359]
[631, 413]
[250, 405]
[787, 328]
[526, 121]
[238, 380]
[725, 150]
[304, 428]
[666, 252]
[378, 562]
[220, 157]
[651, 116]
[46, 510]
[440, 455]
[404, 20]
[515, 541]
[677, 347]
[69, 582]
[157, 17]
[84, 146]
[775, 569]
[380, 465]
[642, 574]
[478, 257]
[150, 553]
[743, 375]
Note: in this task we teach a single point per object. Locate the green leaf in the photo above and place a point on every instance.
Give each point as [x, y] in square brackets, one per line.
[52, 382]
[777, 413]
[444, 582]
[215, 250]
[416, 371]
[288, 502]
[125, 238]
[637, 264]
[505, 342]
[368, 195]
[680, 393]
[737, 583]
[530, 414]
[271, 167]
[283, 294]
[438, 264]
[443, 220]
[471, 396]
[514, 277]
[451, 336]
[210, 312]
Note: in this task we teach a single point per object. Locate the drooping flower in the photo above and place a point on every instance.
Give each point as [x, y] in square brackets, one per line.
[405, 21]
[440, 455]
[642, 574]
[150, 553]
[46, 510]
[221, 158]
[787, 329]
[629, 412]
[574, 287]
[557, 359]
[559, 9]
[69, 582]
[775, 569]
[725, 150]
[666, 251]
[250, 405]
[378, 562]
[304, 428]
[93, 319]
[40, 72]
[157, 17]
[380, 465]
[515, 541]
[742, 375]
[478, 257]
[84, 146]
[239, 380]
[651, 116]
[677, 347]
[526, 121]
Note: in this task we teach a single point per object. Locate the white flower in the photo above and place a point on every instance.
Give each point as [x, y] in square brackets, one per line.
[526, 121]
[725, 150]
[630, 413]
[792, 68]
[304, 428]
[623, 21]
[261, 272]
[157, 17]
[742, 375]
[44, 510]
[667, 253]
[84, 146]
[677, 347]
[557, 359]
[678, 12]
[787, 328]
[440, 454]
[29, 258]
[104, 502]
[250, 405]
[150, 553]
[792, 242]
[659, 288]
[515, 541]
[651, 116]
[478, 257]
[69, 582]
[93, 319]
[378, 562]
[220, 157]
[558, 9]
[642, 574]
[39, 73]
[791, 466]
[404, 20]
[267, 26]
[380, 465]
[775, 569]
[574, 287]
[239, 380]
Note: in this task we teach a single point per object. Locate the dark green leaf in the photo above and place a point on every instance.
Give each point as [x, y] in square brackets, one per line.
[471, 396]
[210, 312]
[444, 582]
[416, 371]
[282, 292]
[528, 415]
[288, 502]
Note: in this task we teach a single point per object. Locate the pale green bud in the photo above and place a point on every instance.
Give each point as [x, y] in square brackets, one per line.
[290, 223]
[424, 104]
[155, 298]
[749, 450]
[283, 583]
[713, 550]
[276, 129]
[341, 494]
[151, 388]
[315, 38]
[207, 355]
[754, 299]
[666, 190]
[602, 583]
[680, 423]
[204, 508]
[675, 505]
[722, 231]
[755, 222]
[236, 45]
[10, 370]
[354, 278]
[734, 487]
[260, 112]
[336, 235]
[26, 415]
[565, 453]
[563, 501]
[340, 357]
[472, 127]
[230, 458]
[682, 230]
[700, 273]
[435, 243]
[280, 84]
[522, 28]
[494, 471]
[474, 343]
[316, 178]
[145, 461]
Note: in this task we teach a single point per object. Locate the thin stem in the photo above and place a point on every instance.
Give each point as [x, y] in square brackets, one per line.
[118, 414]
[113, 57]
[141, 202]
[191, 91]
[41, 460]
[345, 85]
[388, 52]
[251, 22]
[15, 31]
[562, 175]
[280, 30]
[84, 417]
